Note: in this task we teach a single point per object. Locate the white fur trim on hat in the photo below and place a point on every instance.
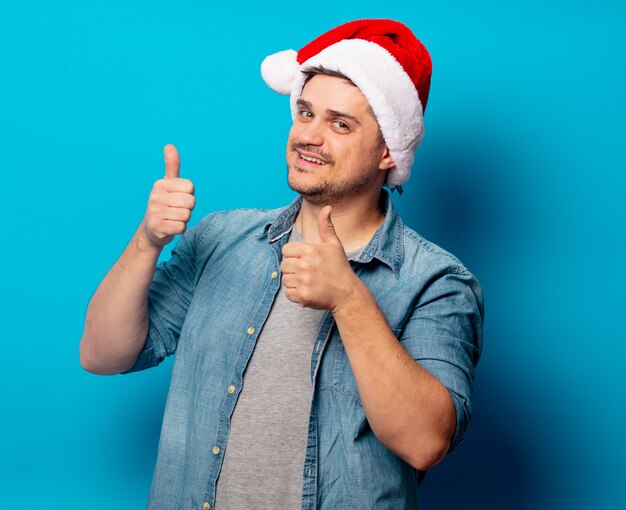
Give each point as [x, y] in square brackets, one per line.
[389, 91]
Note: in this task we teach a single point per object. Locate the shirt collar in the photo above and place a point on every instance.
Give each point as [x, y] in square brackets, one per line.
[386, 244]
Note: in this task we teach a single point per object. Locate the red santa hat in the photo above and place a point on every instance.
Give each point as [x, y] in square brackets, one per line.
[386, 62]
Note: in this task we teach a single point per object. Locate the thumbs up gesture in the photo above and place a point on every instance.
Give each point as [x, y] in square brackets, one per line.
[318, 275]
[170, 204]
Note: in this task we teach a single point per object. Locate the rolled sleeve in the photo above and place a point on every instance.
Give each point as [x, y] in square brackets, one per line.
[169, 298]
[444, 335]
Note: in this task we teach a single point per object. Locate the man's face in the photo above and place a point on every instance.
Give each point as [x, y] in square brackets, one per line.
[334, 149]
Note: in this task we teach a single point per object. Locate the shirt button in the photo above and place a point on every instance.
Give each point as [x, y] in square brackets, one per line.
[231, 389]
[251, 330]
[206, 506]
[274, 275]
[216, 450]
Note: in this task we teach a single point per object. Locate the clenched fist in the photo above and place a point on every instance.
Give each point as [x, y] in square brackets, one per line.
[318, 275]
[170, 204]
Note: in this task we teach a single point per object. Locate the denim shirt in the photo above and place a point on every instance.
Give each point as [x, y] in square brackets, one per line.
[208, 304]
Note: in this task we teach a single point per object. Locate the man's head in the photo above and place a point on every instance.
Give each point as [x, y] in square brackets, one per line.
[388, 66]
[335, 149]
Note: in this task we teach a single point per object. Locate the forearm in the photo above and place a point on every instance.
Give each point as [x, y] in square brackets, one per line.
[409, 410]
[116, 324]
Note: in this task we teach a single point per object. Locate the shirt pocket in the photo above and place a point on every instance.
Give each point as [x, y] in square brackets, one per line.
[343, 377]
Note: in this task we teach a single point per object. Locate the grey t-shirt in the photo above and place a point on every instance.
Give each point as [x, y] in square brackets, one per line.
[264, 457]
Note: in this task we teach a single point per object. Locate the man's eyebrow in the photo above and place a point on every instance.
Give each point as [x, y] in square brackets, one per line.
[335, 113]
[331, 113]
[302, 102]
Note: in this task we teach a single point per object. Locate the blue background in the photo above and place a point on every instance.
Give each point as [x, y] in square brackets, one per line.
[521, 175]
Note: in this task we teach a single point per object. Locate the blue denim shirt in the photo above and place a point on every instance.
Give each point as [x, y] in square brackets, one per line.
[208, 304]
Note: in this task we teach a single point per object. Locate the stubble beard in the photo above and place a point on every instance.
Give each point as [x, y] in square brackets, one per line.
[325, 192]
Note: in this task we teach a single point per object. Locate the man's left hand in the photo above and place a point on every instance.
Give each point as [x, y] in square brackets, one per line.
[318, 275]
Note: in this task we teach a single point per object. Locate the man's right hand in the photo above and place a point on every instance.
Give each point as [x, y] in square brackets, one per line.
[116, 324]
[170, 204]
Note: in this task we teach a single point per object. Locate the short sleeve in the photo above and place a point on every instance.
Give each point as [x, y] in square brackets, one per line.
[169, 298]
[444, 335]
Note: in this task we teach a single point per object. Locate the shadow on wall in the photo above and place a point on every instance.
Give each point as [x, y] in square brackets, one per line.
[467, 196]
[470, 200]
[490, 470]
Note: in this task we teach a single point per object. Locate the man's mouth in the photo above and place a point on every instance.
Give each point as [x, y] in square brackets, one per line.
[311, 159]
[310, 155]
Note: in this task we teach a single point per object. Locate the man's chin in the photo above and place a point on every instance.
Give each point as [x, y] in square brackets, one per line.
[306, 191]
[313, 194]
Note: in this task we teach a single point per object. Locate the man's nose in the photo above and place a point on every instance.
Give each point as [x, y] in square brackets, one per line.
[311, 133]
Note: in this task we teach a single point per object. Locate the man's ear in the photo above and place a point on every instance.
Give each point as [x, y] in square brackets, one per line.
[386, 161]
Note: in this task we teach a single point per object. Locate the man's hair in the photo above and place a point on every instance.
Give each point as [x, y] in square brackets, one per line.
[311, 71]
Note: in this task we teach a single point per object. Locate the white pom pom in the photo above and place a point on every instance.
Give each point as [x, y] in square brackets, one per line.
[278, 70]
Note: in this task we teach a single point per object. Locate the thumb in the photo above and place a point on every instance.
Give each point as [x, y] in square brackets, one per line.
[172, 162]
[326, 227]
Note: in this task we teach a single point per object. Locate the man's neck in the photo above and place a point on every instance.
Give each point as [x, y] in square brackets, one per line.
[355, 221]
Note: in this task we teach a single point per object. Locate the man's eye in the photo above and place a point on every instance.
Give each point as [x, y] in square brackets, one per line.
[341, 125]
[305, 113]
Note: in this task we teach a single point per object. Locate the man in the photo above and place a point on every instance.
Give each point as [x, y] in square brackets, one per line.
[324, 352]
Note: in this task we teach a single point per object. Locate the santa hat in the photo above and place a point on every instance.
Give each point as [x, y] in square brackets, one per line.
[386, 62]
